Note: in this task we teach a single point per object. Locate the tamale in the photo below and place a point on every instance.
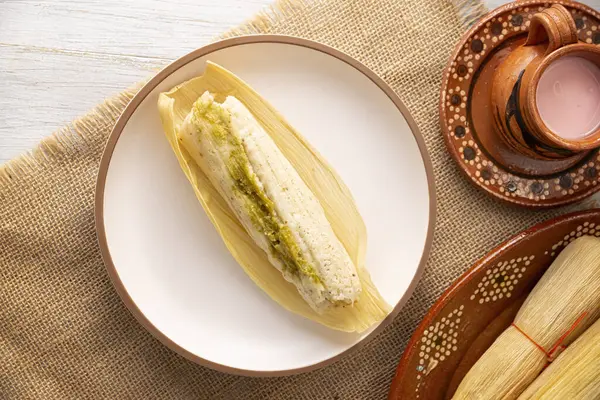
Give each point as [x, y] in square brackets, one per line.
[361, 306]
[270, 200]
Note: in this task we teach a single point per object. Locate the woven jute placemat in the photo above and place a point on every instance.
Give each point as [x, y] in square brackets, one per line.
[65, 334]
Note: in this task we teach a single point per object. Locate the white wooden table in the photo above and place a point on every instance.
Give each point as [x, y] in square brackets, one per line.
[59, 58]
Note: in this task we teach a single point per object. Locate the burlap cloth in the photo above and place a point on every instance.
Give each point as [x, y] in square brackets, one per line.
[64, 333]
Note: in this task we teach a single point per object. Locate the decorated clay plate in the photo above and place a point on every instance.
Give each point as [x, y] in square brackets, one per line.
[481, 304]
[169, 264]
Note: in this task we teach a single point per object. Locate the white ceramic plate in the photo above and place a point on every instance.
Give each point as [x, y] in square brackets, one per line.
[169, 264]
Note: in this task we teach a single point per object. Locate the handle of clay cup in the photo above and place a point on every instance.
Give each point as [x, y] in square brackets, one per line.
[554, 25]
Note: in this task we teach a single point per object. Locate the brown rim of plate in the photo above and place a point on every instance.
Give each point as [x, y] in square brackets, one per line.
[137, 100]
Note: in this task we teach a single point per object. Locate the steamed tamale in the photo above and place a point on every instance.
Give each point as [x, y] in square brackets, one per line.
[282, 211]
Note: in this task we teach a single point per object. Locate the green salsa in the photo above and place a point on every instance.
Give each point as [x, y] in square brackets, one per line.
[259, 207]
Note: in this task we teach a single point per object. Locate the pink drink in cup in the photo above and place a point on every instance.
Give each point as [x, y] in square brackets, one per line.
[568, 97]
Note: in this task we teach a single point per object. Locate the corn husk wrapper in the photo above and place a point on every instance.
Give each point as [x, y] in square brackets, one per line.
[322, 180]
[569, 289]
[574, 375]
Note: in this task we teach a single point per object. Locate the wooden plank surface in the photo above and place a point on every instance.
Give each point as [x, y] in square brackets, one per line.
[60, 58]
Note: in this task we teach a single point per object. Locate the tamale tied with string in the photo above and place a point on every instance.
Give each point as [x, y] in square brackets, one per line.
[574, 375]
[562, 305]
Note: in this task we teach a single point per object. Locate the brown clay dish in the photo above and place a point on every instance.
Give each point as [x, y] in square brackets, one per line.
[530, 168]
[473, 312]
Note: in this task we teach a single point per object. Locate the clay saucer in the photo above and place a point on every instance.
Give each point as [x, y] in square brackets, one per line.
[467, 121]
[479, 306]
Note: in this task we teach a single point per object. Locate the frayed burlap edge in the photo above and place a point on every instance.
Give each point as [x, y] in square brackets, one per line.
[75, 135]
[468, 11]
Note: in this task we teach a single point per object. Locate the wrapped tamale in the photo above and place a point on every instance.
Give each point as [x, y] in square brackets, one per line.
[282, 211]
[574, 375]
[561, 306]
